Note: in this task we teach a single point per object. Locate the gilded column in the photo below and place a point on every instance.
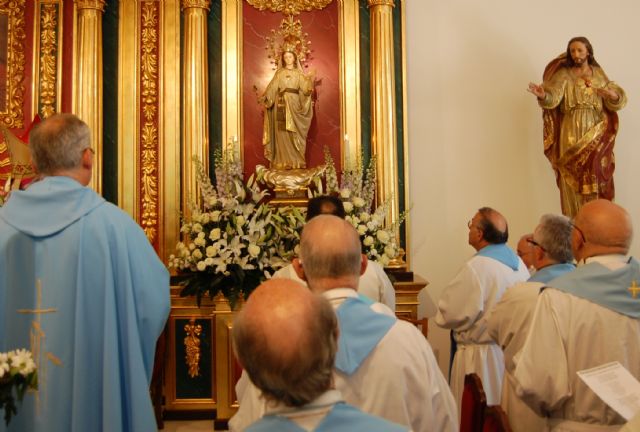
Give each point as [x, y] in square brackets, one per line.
[383, 103]
[88, 76]
[47, 63]
[195, 114]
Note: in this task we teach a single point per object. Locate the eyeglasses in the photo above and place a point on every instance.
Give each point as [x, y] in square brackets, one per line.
[535, 243]
[575, 227]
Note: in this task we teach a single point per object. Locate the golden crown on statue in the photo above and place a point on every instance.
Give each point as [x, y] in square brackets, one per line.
[289, 37]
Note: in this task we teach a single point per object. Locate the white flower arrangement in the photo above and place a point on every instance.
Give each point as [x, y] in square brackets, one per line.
[17, 371]
[234, 240]
[357, 190]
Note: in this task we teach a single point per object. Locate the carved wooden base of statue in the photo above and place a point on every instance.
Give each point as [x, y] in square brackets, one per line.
[290, 186]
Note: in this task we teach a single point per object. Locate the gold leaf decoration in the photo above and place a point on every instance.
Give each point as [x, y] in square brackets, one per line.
[289, 7]
[192, 347]
[201, 4]
[48, 59]
[149, 108]
[12, 115]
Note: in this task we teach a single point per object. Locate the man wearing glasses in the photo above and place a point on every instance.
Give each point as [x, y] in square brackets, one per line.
[509, 321]
[465, 302]
[584, 319]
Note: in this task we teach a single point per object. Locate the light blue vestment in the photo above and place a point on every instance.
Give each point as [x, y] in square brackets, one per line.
[79, 277]
[361, 329]
[341, 418]
[501, 253]
[553, 271]
[603, 286]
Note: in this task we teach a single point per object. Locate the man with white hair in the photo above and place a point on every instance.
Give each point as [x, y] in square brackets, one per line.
[584, 319]
[508, 323]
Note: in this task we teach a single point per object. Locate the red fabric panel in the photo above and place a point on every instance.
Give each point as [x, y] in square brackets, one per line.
[322, 27]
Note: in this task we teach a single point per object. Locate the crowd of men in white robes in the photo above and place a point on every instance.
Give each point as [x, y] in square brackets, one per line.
[527, 336]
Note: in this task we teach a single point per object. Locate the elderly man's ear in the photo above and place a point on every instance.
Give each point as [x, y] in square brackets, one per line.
[363, 264]
[297, 266]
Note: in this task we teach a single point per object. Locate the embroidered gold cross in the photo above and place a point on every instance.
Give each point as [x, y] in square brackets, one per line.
[634, 289]
[38, 338]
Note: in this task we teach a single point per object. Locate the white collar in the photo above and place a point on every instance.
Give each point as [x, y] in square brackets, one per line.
[322, 403]
[611, 261]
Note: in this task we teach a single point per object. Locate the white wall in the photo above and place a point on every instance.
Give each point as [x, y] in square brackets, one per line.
[475, 133]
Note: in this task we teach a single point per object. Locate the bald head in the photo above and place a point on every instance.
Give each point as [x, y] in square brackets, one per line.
[286, 338]
[606, 228]
[330, 253]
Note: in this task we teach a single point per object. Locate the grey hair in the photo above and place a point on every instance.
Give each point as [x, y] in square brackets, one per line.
[554, 235]
[57, 143]
[301, 377]
[321, 260]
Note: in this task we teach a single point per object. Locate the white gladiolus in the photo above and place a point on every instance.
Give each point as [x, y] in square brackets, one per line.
[364, 216]
[197, 254]
[201, 266]
[196, 228]
[348, 206]
[215, 234]
[210, 251]
[345, 193]
[358, 202]
[212, 201]
[383, 236]
[368, 241]
[362, 229]
[254, 250]
[200, 241]
[240, 220]
[215, 216]
[390, 251]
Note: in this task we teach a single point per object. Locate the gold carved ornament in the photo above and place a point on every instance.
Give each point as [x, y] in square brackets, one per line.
[381, 3]
[289, 7]
[192, 347]
[12, 115]
[91, 4]
[199, 4]
[289, 37]
[48, 59]
[149, 132]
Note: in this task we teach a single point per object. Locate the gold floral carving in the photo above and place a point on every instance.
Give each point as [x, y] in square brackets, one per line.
[48, 59]
[381, 3]
[192, 347]
[91, 4]
[12, 115]
[149, 107]
[289, 7]
[201, 4]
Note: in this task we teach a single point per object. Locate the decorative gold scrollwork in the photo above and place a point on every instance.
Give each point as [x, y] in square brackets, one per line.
[149, 106]
[11, 114]
[192, 347]
[289, 7]
[48, 59]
